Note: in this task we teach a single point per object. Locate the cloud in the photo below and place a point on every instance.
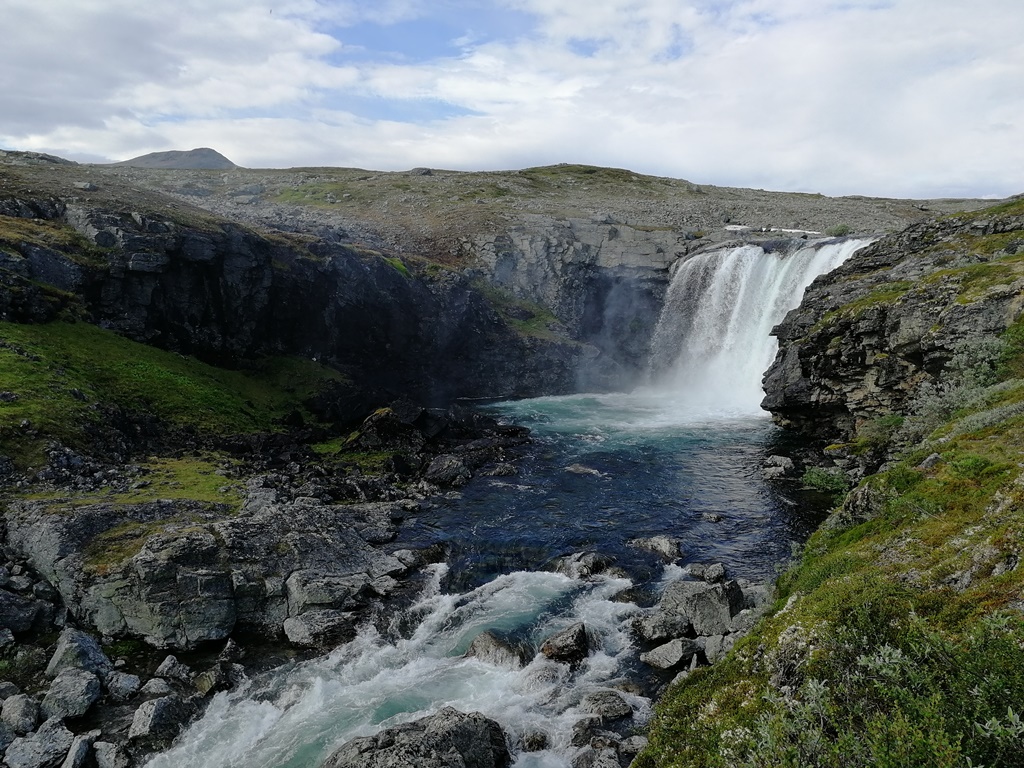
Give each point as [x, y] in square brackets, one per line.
[903, 98]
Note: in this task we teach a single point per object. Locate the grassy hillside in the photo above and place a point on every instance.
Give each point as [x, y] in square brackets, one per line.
[59, 379]
[898, 636]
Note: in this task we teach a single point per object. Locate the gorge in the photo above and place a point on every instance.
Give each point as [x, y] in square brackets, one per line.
[328, 503]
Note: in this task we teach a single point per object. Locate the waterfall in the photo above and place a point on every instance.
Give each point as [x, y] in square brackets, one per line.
[712, 344]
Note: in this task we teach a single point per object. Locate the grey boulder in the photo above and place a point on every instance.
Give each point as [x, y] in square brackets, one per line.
[71, 694]
[46, 748]
[448, 739]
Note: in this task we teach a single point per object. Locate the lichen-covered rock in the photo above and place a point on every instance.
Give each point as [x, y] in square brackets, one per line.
[45, 748]
[71, 693]
[448, 739]
[21, 713]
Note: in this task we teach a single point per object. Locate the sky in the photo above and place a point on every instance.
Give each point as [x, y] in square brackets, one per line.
[901, 98]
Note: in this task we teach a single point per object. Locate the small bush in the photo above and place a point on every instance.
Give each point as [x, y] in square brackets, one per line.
[839, 230]
[830, 481]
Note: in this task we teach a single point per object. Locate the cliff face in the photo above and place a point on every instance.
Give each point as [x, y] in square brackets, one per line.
[869, 335]
[224, 293]
[604, 280]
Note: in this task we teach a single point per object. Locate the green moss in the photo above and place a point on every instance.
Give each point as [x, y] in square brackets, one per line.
[55, 235]
[398, 265]
[59, 373]
[526, 317]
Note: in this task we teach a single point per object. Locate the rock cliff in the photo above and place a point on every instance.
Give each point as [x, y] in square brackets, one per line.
[891, 320]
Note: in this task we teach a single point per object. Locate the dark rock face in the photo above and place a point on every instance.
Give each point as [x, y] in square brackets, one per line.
[448, 739]
[225, 294]
[869, 334]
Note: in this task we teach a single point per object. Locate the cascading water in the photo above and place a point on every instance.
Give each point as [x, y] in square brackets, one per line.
[682, 458]
[712, 344]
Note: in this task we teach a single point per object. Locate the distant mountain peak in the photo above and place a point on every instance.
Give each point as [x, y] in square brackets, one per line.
[199, 159]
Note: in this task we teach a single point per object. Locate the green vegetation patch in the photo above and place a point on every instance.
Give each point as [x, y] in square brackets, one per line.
[58, 374]
[15, 233]
[897, 638]
[526, 317]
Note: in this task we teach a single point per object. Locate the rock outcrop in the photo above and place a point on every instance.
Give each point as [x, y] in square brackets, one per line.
[868, 335]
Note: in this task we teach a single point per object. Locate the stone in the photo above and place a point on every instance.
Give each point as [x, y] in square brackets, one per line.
[156, 687]
[448, 471]
[714, 573]
[672, 654]
[489, 647]
[8, 689]
[711, 610]
[447, 739]
[717, 646]
[320, 628]
[666, 546]
[17, 613]
[71, 694]
[535, 741]
[7, 736]
[110, 755]
[77, 649]
[782, 462]
[605, 757]
[171, 668]
[6, 637]
[632, 745]
[157, 721]
[122, 686]
[583, 565]
[46, 748]
[606, 704]
[213, 680]
[80, 752]
[571, 645]
[21, 713]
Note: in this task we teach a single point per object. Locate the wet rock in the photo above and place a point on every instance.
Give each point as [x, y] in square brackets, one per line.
[571, 645]
[448, 739]
[46, 748]
[535, 741]
[77, 649]
[606, 704]
[320, 628]
[583, 730]
[489, 647]
[606, 757]
[71, 694]
[21, 713]
[220, 677]
[672, 654]
[714, 573]
[448, 471]
[583, 565]
[666, 546]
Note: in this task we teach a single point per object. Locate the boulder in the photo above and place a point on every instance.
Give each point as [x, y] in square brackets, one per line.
[448, 470]
[17, 613]
[320, 628]
[156, 687]
[606, 704]
[171, 668]
[714, 573]
[46, 748]
[20, 712]
[666, 546]
[122, 686]
[489, 647]
[671, 655]
[77, 649]
[448, 739]
[583, 565]
[571, 645]
[7, 735]
[110, 755]
[71, 694]
[158, 721]
[79, 754]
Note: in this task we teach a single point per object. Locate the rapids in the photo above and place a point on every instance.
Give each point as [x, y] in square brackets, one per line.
[681, 456]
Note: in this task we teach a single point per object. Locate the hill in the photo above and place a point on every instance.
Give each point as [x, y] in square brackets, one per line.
[203, 158]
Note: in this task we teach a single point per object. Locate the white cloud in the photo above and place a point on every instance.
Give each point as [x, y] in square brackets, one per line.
[906, 97]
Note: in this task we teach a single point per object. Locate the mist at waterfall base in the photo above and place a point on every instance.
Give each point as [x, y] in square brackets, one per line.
[681, 457]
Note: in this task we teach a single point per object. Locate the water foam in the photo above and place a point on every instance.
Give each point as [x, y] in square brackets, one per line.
[713, 343]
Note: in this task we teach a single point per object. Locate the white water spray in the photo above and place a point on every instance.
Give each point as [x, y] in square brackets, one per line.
[712, 344]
